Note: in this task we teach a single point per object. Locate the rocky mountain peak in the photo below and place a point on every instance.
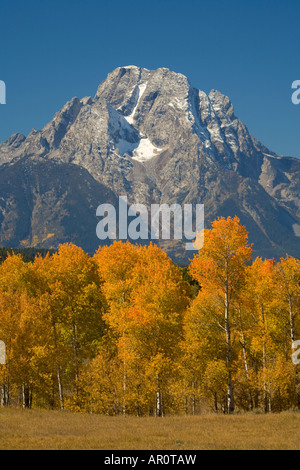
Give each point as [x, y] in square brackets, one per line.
[150, 135]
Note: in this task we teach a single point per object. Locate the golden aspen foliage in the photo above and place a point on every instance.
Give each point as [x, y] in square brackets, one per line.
[127, 331]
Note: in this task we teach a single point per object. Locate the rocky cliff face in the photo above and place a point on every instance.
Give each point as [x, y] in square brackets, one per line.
[153, 137]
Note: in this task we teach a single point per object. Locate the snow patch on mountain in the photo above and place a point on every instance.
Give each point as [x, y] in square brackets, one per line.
[145, 151]
[141, 89]
[141, 151]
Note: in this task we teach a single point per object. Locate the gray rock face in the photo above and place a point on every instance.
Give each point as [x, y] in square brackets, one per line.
[153, 137]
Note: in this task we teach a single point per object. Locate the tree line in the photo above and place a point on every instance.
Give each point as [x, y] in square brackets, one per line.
[28, 254]
[126, 331]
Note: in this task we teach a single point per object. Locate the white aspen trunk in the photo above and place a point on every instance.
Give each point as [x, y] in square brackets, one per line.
[26, 396]
[4, 400]
[158, 404]
[158, 409]
[60, 388]
[230, 400]
[270, 400]
[264, 353]
[245, 358]
[23, 396]
[292, 320]
[58, 373]
[124, 368]
[5, 388]
[2, 396]
[74, 340]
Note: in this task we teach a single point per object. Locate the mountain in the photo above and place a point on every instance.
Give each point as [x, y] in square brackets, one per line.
[150, 135]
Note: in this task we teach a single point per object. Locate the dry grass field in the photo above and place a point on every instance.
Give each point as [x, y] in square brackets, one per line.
[40, 429]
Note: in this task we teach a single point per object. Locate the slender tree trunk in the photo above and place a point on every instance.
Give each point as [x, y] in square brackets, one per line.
[230, 399]
[52, 397]
[75, 350]
[216, 402]
[26, 396]
[292, 320]
[5, 388]
[243, 341]
[264, 360]
[265, 387]
[124, 367]
[247, 372]
[224, 406]
[158, 410]
[58, 373]
[60, 388]
[270, 400]
[4, 395]
[158, 404]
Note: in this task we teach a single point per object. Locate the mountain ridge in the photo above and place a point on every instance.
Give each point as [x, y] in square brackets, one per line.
[150, 135]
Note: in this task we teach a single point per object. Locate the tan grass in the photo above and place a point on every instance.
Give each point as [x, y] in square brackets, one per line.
[41, 429]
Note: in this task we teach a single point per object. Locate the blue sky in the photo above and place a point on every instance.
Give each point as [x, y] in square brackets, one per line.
[249, 50]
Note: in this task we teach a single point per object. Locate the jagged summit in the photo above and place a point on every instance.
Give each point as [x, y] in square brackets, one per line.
[150, 135]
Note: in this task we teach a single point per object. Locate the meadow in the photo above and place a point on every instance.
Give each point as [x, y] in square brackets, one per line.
[55, 430]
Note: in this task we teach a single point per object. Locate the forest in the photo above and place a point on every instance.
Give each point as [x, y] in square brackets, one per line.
[128, 332]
